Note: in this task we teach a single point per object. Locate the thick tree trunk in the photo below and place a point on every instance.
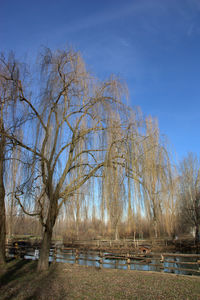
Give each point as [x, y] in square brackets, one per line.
[43, 262]
[2, 203]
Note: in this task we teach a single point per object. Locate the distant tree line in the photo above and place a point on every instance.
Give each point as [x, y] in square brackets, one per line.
[76, 161]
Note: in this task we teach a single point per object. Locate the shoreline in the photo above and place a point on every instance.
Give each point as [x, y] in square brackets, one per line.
[63, 281]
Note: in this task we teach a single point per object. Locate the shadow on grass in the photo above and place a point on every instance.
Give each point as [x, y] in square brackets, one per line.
[20, 280]
[12, 272]
[42, 282]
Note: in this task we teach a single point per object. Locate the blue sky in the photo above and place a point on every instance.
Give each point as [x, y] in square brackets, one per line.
[153, 45]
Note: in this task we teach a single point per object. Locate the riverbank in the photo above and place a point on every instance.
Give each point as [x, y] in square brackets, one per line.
[19, 280]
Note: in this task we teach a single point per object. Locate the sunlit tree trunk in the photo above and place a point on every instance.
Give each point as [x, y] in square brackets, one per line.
[47, 236]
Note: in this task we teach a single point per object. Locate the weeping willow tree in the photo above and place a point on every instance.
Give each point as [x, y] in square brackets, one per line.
[113, 179]
[149, 172]
[14, 177]
[10, 120]
[67, 106]
[189, 194]
[133, 137]
[155, 173]
[171, 202]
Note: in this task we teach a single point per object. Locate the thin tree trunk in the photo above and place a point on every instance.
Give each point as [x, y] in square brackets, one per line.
[116, 232]
[155, 225]
[197, 234]
[77, 230]
[2, 203]
[10, 223]
[2, 222]
[197, 223]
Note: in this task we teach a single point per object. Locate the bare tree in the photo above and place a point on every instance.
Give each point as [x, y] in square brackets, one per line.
[154, 172]
[149, 168]
[69, 97]
[114, 198]
[13, 179]
[114, 174]
[7, 119]
[170, 201]
[2, 198]
[190, 193]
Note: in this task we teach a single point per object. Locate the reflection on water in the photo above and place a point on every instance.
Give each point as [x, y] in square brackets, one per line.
[153, 264]
[180, 262]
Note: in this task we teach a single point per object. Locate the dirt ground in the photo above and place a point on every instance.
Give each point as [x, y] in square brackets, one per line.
[19, 280]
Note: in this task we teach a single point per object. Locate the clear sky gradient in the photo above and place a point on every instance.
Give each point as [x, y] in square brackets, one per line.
[153, 45]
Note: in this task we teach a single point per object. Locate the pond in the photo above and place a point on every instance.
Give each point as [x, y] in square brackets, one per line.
[172, 264]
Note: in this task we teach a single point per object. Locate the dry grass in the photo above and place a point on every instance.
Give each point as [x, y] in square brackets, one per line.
[65, 281]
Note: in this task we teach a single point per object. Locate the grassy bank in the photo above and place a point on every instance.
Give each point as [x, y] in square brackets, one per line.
[19, 280]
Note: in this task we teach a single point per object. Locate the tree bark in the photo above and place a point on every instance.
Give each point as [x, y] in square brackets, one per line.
[43, 262]
[116, 229]
[155, 225]
[2, 221]
[2, 203]
[197, 234]
[197, 221]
